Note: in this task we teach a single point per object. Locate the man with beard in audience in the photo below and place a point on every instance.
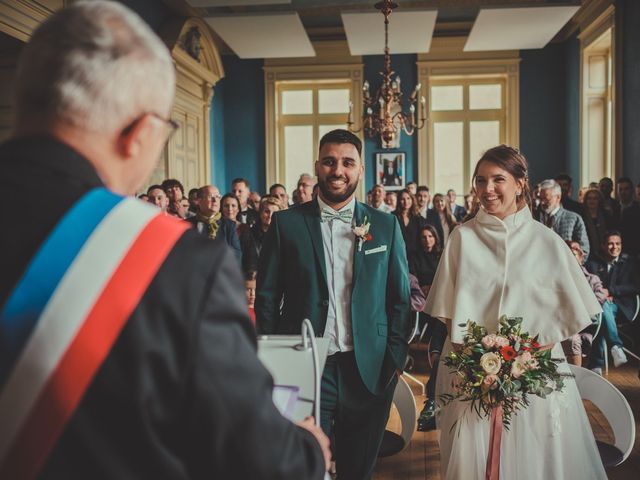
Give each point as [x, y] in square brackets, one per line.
[423, 198]
[126, 350]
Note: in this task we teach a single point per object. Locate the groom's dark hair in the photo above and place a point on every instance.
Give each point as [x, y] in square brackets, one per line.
[341, 136]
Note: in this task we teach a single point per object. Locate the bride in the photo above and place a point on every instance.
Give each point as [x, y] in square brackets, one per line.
[503, 262]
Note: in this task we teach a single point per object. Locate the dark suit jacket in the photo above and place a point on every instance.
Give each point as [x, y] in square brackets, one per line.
[630, 229]
[622, 281]
[226, 232]
[459, 212]
[433, 218]
[570, 204]
[293, 271]
[181, 395]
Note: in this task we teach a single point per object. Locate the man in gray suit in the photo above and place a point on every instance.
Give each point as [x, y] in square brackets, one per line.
[569, 225]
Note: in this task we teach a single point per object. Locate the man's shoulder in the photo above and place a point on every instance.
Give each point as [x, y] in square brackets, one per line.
[569, 216]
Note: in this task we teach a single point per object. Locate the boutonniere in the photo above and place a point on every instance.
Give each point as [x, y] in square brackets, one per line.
[362, 232]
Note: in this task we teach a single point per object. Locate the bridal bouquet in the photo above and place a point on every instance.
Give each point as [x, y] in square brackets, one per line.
[498, 372]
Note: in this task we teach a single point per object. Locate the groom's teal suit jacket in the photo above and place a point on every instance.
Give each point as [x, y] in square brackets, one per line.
[292, 273]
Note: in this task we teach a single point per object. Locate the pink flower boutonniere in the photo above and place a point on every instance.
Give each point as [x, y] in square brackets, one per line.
[362, 232]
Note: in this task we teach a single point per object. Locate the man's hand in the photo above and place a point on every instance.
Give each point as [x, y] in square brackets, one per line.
[310, 425]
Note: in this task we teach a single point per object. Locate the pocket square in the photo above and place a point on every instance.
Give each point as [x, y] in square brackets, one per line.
[381, 248]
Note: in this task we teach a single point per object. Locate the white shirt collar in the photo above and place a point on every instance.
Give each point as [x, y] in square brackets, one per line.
[350, 205]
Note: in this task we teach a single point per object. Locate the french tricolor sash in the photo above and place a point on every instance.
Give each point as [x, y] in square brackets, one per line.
[65, 314]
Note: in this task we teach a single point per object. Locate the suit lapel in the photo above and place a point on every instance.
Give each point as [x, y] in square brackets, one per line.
[312, 219]
[358, 254]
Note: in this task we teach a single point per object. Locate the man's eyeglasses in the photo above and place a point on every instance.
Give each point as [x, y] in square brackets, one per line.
[172, 126]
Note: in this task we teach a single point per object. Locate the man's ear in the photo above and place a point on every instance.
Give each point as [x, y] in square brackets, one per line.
[135, 137]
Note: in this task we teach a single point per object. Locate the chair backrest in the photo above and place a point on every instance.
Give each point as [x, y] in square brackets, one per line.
[405, 402]
[416, 328]
[611, 403]
[635, 315]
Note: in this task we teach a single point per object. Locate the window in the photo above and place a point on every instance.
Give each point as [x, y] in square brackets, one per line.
[305, 111]
[473, 104]
[468, 116]
[597, 92]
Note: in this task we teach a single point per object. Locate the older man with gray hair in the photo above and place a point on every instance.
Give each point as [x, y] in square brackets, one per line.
[126, 349]
[569, 225]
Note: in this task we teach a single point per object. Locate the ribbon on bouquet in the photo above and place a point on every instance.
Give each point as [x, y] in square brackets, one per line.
[495, 439]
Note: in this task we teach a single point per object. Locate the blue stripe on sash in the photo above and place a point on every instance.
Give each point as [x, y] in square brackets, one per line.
[29, 298]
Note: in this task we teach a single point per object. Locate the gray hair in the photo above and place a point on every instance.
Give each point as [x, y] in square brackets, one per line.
[552, 185]
[95, 66]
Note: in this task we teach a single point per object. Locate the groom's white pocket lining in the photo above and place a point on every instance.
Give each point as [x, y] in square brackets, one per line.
[381, 248]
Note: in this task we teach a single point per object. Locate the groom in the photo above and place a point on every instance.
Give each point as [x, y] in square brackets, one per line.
[341, 264]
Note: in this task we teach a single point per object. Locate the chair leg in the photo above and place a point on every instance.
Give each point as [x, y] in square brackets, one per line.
[606, 358]
[630, 353]
[414, 379]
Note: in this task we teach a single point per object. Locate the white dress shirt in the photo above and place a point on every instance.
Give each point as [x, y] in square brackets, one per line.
[383, 207]
[339, 245]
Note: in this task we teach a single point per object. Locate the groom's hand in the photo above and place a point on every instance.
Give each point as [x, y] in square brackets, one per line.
[310, 425]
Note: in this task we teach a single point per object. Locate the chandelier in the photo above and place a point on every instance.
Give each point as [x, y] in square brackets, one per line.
[383, 113]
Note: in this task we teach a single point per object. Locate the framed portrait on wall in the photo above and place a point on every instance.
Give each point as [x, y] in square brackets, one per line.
[390, 170]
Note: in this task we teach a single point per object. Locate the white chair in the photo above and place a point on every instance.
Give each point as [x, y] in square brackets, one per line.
[616, 410]
[414, 334]
[405, 403]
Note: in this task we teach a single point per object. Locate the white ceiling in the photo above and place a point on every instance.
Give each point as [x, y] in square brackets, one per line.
[409, 32]
[264, 36]
[517, 28]
[233, 3]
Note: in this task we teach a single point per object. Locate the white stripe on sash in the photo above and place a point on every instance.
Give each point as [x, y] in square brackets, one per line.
[64, 314]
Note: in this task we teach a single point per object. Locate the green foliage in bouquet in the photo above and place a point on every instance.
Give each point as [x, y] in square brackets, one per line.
[501, 369]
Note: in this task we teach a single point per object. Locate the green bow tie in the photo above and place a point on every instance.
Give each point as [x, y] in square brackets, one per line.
[344, 216]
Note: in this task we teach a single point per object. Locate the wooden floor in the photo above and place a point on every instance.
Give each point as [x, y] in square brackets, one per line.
[421, 458]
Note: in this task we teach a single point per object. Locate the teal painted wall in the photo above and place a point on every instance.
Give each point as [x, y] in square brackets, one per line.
[572, 119]
[238, 117]
[543, 114]
[405, 66]
[628, 16]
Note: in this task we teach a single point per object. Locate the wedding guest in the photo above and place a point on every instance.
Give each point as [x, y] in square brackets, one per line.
[502, 262]
[441, 218]
[175, 192]
[621, 278]
[230, 208]
[277, 190]
[413, 188]
[596, 219]
[241, 189]
[254, 200]
[209, 221]
[305, 186]
[458, 211]
[566, 186]
[250, 290]
[251, 238]
[608, 329]
[391, 199]
[410, 221]
[568, 225]
[144, 197]
[157, 197]
[605, 185]
[377, 199]
[469, 202]
[629, 217]
[424, 266]
[423, 198]
[193, 200]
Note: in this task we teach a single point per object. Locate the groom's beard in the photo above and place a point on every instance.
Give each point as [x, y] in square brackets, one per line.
[336, 197]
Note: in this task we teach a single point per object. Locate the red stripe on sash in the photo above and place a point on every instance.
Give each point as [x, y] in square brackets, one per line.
[88, 350]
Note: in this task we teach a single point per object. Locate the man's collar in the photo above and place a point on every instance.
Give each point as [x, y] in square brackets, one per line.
[555, 210]
[351, 205]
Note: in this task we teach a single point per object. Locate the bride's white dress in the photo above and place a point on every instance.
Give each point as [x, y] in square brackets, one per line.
[519, 268]
[550, 440]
